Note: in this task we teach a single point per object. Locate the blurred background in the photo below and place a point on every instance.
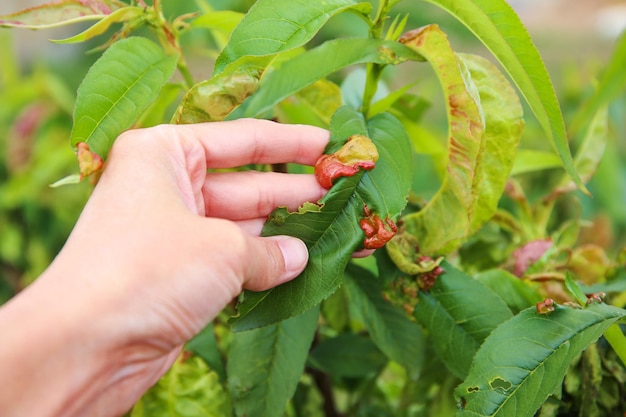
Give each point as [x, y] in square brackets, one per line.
[38, 81]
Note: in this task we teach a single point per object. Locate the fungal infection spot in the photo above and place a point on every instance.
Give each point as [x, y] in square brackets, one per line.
[359, 152]
[88, 162]
[377, 232]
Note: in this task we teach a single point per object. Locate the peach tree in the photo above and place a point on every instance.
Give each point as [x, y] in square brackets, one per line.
[476, 302]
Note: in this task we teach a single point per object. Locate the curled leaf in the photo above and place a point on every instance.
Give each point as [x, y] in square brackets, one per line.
[214, 99]
[377, 232]
[359, 152]
[88, 162]
[485, 125]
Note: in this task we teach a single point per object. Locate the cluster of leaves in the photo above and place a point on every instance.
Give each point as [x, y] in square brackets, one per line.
[450, 316]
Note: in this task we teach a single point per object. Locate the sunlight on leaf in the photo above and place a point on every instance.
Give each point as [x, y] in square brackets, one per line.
[188, 389]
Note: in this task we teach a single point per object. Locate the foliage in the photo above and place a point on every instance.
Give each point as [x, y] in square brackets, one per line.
[491, 299]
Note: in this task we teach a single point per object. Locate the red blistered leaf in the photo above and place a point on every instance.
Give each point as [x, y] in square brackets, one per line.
[546, 306]
[88, 162]
[377, 232]
[359, 152]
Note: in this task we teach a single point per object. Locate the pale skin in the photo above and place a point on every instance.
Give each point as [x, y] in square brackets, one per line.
[160, 249]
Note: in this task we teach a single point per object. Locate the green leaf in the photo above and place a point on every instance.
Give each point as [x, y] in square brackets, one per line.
[525, 359]
[459, 312]
[517, 293]
[612, 84]
[399, 338]
[265, 365]
[60, 13]
[204, 344]
[120, 15]
[304, 69]
[529, 160]
[330, 228]
[272, 27]
[188, 389]
[347, 355]
[616, 338]
[574, 290]
[223, 20]
[485, 126]
[590, 153]
[117, 89]
[499, 28]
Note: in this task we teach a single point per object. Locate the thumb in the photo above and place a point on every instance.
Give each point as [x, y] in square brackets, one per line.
[274, 260]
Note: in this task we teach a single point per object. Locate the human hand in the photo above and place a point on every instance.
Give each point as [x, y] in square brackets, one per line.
[161, 247]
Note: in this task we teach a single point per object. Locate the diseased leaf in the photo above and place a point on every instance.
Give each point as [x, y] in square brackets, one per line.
[304, 69]
[525, 359]
[323, 98]
[188, 389]
[485, 126]
[265, 365]
[117, 89]
[120, 15]
[214, 99]
[331, 228]
[60, 13]
[270, 28]
[399, 338]
[459, 312]
[499, 28]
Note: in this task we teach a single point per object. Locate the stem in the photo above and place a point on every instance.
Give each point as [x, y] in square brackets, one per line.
[374, 70]
[184, 71]
[322, 380]
[371, 86]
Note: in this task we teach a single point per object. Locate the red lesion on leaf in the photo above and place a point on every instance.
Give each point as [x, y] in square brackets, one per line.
[88, 162]
[546, 306]
[428, 279]
[529, 254]
[377, 231]
[596, 297]
[359, 152]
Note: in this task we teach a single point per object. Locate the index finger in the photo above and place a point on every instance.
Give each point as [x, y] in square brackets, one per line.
[252, 141]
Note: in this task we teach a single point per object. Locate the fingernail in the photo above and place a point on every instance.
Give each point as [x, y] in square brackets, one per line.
[295, 254]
